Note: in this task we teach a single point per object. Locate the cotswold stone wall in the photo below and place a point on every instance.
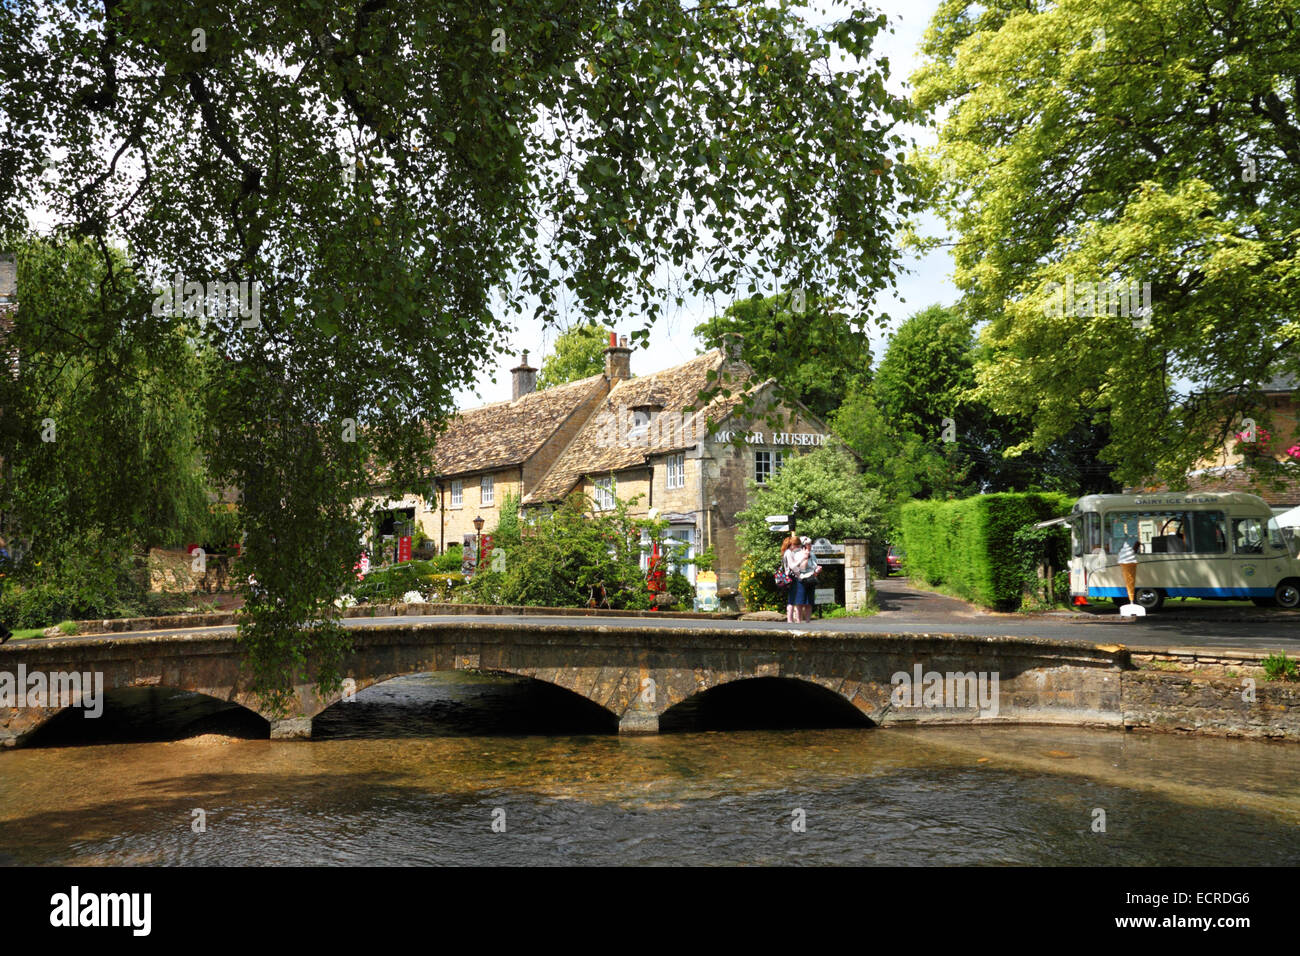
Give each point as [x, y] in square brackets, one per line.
[172, 572]
[1218, 706]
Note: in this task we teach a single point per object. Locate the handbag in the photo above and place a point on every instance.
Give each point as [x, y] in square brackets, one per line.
[781, 577]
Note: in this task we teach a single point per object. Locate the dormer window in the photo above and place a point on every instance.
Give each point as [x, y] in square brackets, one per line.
[641, 416]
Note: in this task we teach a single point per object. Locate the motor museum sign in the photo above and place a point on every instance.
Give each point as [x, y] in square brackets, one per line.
[775, 438]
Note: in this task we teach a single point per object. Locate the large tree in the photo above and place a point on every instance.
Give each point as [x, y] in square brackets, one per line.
[921, 429]
[383, 171]
[814, 354]
[1123, 141]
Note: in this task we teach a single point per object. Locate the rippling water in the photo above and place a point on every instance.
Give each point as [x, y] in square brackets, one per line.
[418, 770]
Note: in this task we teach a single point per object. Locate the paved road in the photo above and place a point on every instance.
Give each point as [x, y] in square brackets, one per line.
[909, 611]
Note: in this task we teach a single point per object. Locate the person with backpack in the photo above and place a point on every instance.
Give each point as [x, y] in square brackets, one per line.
[801, 566]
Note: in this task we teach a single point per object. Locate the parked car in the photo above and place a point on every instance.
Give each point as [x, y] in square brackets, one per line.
[894, 559]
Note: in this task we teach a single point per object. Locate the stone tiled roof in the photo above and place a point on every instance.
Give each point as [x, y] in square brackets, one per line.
[1280, 383]
[509, 433]
[674, 391]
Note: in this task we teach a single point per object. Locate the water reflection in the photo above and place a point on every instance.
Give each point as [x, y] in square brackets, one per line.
[414, 769]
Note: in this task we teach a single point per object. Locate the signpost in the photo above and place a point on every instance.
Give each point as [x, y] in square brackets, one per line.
[824, 596]
[404, 548]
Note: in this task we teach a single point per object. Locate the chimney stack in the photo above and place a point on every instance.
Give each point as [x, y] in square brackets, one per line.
[8, 278]
[618, 359]
[523, 379]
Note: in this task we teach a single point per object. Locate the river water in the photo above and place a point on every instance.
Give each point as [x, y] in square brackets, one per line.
[463, 768]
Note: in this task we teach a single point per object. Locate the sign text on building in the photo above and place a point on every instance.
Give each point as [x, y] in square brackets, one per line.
[776, 438]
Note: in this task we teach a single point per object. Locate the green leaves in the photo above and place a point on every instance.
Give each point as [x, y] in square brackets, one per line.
[1094, 142]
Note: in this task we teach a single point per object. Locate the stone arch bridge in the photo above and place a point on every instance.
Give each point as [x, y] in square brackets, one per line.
[635, 673]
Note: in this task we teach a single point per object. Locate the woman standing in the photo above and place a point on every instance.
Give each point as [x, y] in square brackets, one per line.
[790, 541]
[796, 566]
[808, 578]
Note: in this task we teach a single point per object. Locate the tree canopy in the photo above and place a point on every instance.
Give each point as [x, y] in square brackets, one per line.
[579, 353]
[815, 355]
[395, 179]
[1090, 142]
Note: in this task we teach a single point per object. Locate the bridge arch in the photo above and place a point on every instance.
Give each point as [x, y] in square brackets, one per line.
[144, 713]
[763, 702]
[547, 706]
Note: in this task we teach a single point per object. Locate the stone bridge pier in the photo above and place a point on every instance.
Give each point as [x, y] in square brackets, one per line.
[636, 673]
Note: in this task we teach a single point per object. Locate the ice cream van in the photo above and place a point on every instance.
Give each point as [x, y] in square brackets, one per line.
[1207, 545]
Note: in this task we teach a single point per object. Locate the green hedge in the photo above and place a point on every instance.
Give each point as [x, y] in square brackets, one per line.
[969, 545]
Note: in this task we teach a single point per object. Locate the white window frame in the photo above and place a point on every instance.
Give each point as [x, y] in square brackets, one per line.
[676, 471]
[774, 461]
[602, 493]
[685, 549]
[487, 490]
[458, 494]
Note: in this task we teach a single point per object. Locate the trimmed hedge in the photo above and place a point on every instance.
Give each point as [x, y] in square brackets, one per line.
[968, 545]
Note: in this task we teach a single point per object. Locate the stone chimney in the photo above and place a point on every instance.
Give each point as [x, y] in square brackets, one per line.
[731, 346]
[8, 278]
[523, 379]
[618, 359]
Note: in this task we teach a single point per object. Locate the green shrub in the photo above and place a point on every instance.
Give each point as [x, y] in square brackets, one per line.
[835, 502]
[971, 545]
[756, 585]
[389, 584]
[680, 587]
[98, 583]
[449, 561]
[570, 559]
[1280, 667]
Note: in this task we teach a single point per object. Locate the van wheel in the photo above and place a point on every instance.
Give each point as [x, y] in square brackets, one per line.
[1287, 594]
[1150, 598]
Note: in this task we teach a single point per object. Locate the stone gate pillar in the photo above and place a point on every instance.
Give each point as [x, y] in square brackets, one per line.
[857, 573]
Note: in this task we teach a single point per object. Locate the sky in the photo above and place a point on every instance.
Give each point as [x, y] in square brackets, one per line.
[926, 281]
